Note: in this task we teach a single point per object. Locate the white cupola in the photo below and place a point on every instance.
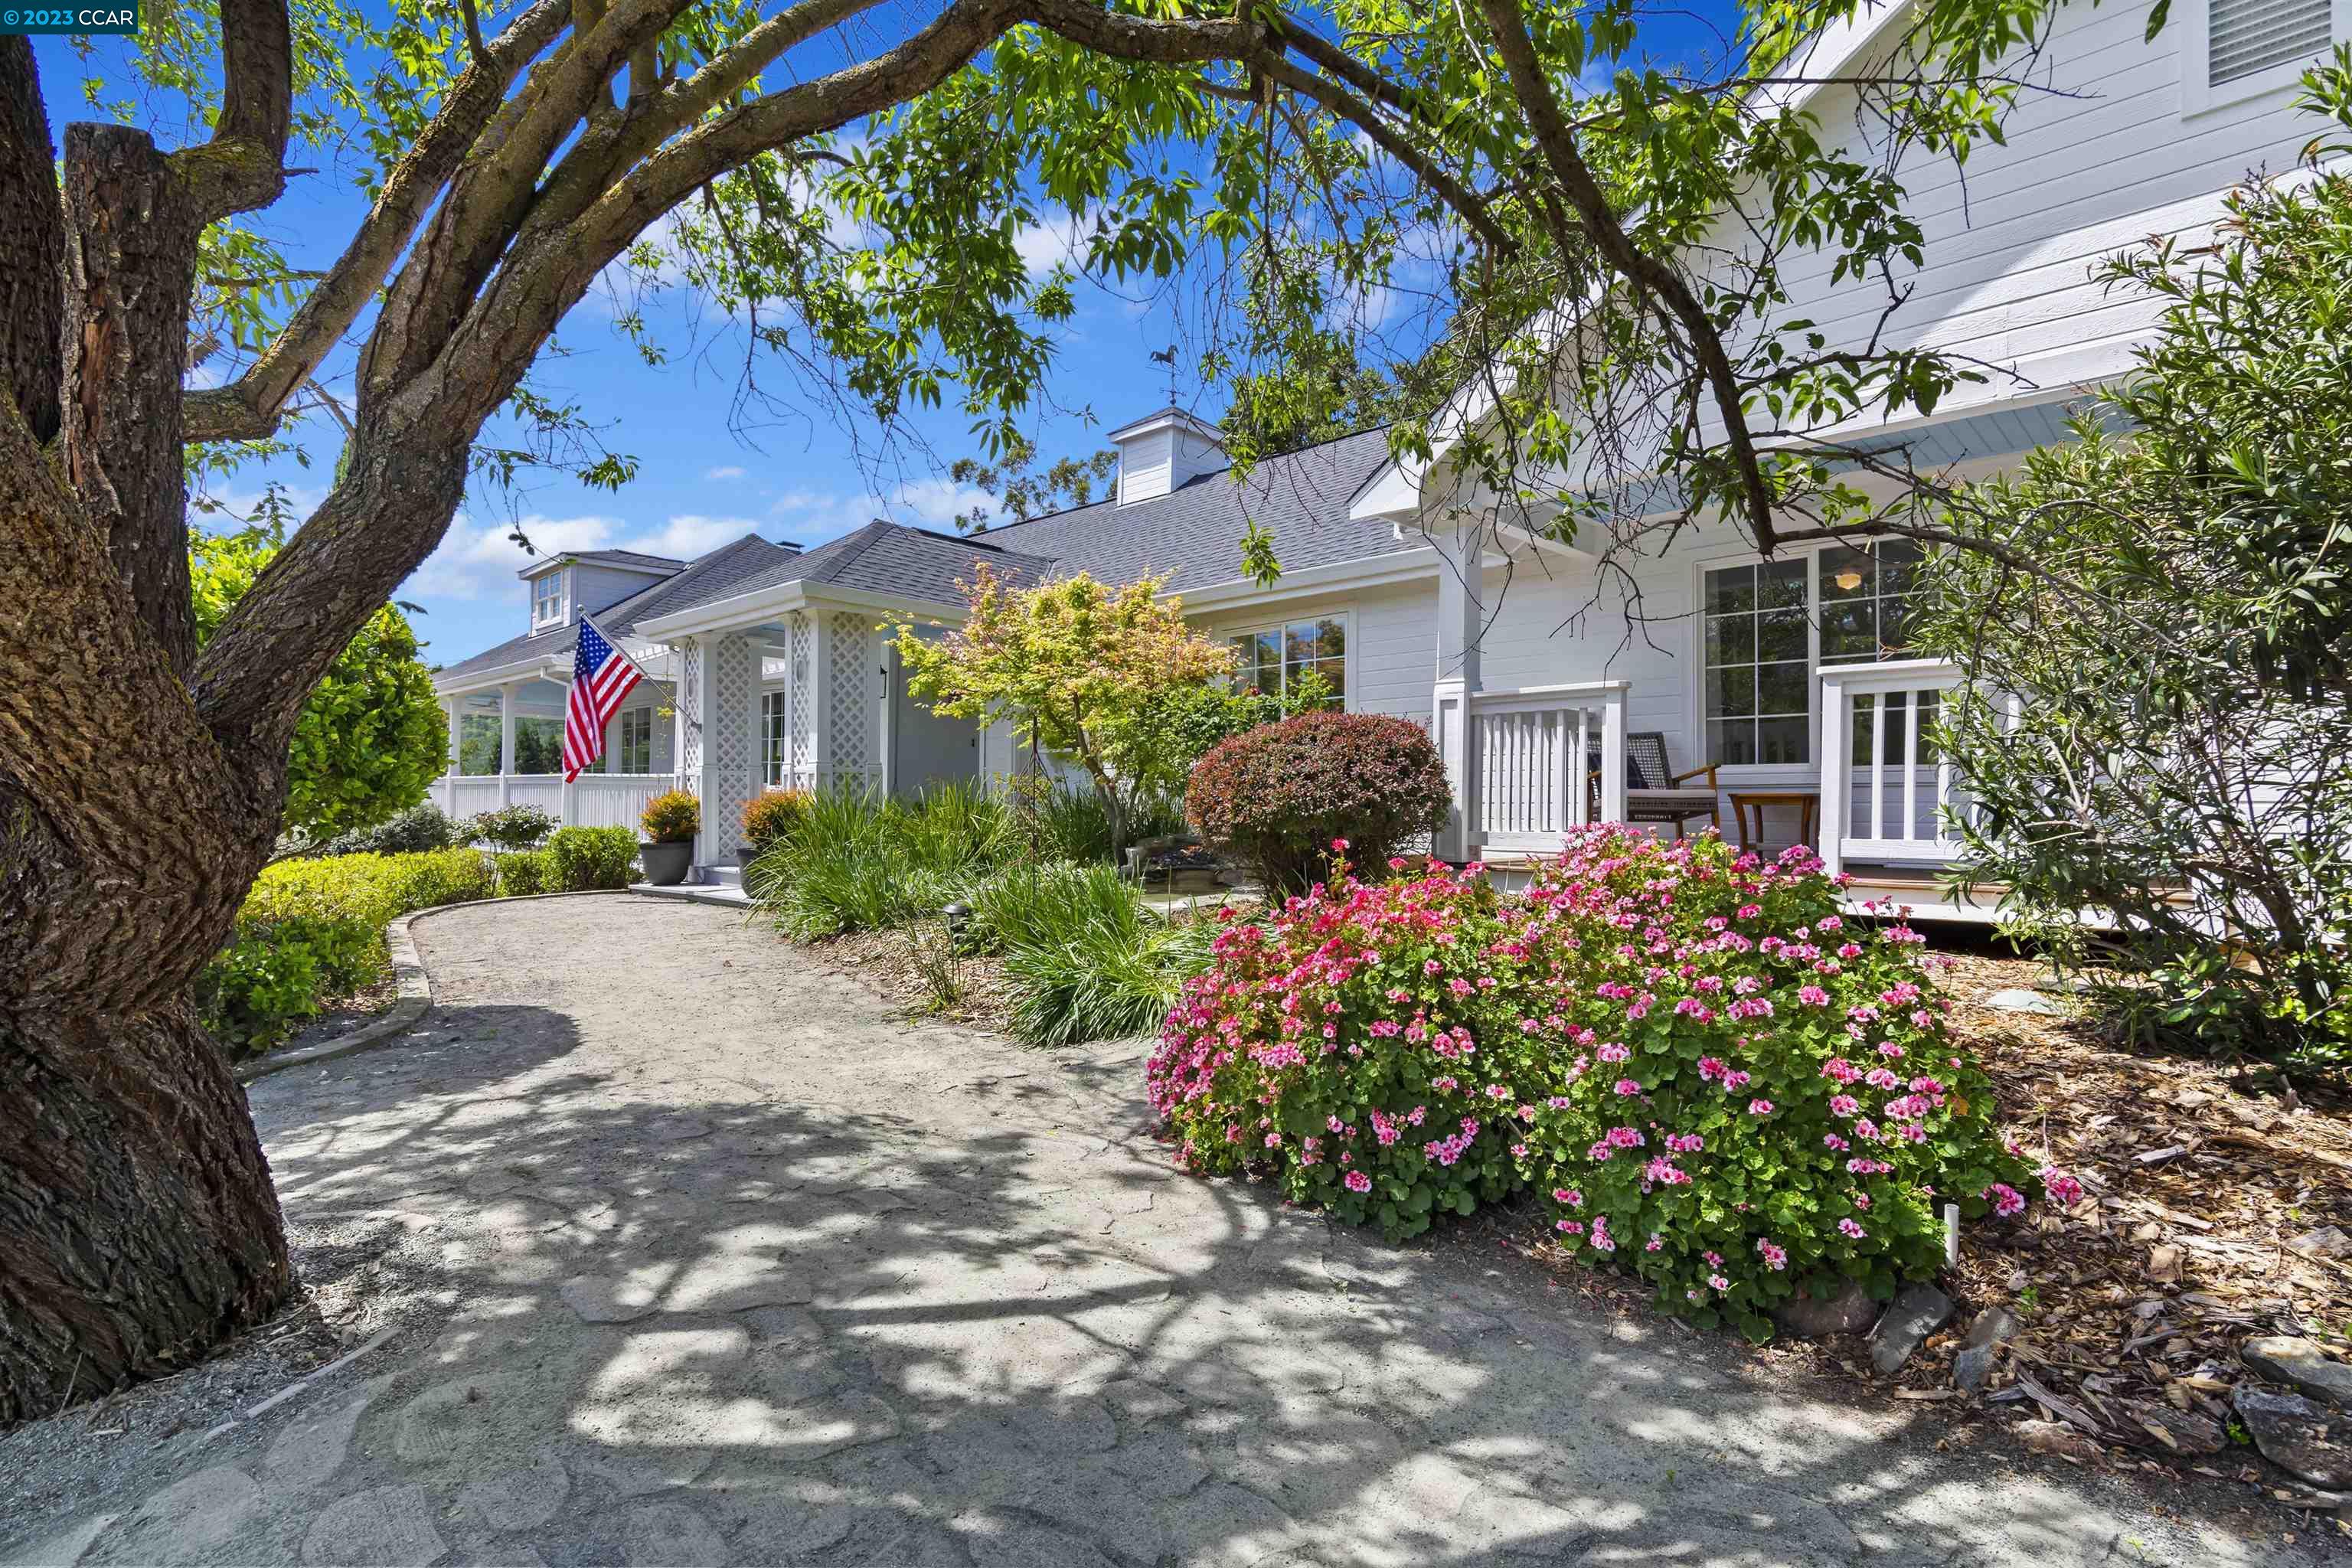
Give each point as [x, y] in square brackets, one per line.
[1162, 452]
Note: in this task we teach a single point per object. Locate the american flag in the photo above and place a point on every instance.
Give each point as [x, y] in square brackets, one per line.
[601, 675]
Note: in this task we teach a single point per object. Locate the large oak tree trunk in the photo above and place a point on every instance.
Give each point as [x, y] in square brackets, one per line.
[138, 1226]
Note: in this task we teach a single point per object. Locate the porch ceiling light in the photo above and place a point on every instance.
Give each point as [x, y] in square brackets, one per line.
[1848, 580]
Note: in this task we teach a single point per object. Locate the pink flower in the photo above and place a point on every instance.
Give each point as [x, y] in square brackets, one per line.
[1760, 1108]
[1359, 1182]
[1340, 844]
[1569, 1195]
[1851, 1229]
[1775, 1257]
[1627, 1087]
[1718, 1281]
[2063, 1189]
[1734, 1080]
[2006, 1200]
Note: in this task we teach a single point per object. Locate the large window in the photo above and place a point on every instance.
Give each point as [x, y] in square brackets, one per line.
[637, 741]
[1770, 624]
[1274, 659]
[547, 598]
[775, 734]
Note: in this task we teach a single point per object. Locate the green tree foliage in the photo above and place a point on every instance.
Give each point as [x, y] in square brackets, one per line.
[371, 738]
[1022, 491]
[2156, 630]
[1074, 666]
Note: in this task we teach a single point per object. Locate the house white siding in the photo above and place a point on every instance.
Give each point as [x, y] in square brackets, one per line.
[595, 587]
[2102, 152]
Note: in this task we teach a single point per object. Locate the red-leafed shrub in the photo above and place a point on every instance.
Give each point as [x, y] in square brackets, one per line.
[1279, 794]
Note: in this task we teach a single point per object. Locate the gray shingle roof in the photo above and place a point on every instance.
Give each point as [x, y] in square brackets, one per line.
[887, 558]
[1195, 533]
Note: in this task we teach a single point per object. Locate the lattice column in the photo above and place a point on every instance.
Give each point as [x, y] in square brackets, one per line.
[800, 709]
[730, 763]
[851, 719]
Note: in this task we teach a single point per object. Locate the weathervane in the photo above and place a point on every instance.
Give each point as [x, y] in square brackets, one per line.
[1167, 356]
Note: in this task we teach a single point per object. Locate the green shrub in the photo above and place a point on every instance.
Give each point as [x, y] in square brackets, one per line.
[1116, 972]
[412, 832]
[1030, 905]
[312, 931]
[857, 862]
[525, 872]
[587, 860]
[673, 817]
[1754, 1098]
[1279, 796]
[509, 827]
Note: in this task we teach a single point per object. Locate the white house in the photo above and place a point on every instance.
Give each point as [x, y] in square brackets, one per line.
[771, 669]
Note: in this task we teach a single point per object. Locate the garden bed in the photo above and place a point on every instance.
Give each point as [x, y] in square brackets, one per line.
[2135, 1301]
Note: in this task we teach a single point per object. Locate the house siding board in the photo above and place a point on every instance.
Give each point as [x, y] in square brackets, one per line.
[2095, 164]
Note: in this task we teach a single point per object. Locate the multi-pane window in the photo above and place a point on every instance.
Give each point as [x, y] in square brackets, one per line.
[635, 747]
[547, 598]
[774, 735]
[1758, 644]
[1866, 600]
[1769, 624]
[1276, 658]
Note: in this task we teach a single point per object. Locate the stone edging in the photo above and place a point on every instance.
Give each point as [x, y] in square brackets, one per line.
[416, 997]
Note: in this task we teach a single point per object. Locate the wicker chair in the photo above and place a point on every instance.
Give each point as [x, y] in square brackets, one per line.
[1654, 792]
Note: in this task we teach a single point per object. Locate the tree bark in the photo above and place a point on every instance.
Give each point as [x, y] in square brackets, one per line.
[138, 1226]
[131, 264]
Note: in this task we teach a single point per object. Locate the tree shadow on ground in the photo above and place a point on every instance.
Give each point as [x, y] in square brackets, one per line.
[938, 1304]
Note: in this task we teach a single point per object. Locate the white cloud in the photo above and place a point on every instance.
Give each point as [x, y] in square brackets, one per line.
[474, 558]
[724, 471]
[814, 516]
[689, 534]
[1043, 246]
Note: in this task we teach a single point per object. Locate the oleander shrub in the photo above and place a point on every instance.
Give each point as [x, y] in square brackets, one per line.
[525, 872]
[673, 817]
[587, 860]
[770, 816]
[509, 827]
[1278, 796]
[312, 931]
[1711, 1077]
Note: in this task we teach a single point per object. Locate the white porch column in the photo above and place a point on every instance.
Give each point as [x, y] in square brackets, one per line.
[709, 786]
[1460, 621]
[506, 743]
[454, 707]
[568, 805]
[821, 653]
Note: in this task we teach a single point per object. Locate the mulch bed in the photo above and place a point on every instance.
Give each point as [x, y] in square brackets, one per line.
[2132, 1305]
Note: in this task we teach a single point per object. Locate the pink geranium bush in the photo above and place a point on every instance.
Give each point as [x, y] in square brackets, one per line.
[1342, 1051]
[1708, 1074]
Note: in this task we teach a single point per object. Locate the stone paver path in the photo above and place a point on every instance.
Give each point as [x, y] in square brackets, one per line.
[696, 1255]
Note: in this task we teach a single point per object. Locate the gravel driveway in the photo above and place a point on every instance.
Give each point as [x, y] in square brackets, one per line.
[692, 1253]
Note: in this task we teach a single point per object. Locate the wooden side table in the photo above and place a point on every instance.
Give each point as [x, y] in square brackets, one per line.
[1747, 809]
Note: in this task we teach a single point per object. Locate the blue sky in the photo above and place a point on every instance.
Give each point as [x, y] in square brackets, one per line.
[711, 470]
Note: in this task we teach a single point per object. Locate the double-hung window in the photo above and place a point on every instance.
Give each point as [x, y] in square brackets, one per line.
[1274, 659]
[774, 736]
[547, 599]
[1768, 626]
[634, 750]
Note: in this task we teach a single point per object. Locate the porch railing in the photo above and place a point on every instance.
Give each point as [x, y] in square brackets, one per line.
[1886, 793]
[593, 800]
[1533, 751]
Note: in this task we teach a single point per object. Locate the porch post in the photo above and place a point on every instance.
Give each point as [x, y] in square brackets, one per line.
[710, 723]
[1837, 788]
[1460, 621]
[822, 740]
[454, 707]
[506, 743]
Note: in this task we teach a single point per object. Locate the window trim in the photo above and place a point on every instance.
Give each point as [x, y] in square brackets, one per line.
[621, 740]
[1705, 562]
[1224, 635]
[2199, 96]
[560, 601]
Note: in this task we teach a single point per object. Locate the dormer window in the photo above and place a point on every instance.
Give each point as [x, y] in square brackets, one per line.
[547, 594]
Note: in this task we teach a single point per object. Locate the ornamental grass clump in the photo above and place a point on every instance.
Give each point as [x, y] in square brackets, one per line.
[1709, 1076]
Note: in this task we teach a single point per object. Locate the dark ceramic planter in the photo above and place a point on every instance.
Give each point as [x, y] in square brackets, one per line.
[666, 864]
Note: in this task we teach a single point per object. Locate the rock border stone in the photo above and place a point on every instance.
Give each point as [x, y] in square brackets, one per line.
[415, 998]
